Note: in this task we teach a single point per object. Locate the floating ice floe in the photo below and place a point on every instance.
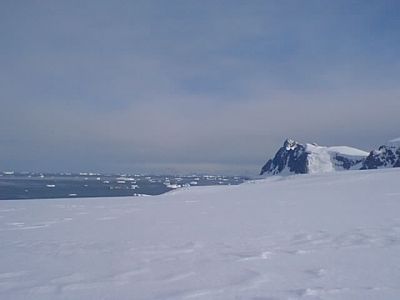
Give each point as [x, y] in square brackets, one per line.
[126, 179]
[173, 186]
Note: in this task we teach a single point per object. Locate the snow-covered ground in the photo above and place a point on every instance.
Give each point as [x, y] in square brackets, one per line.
[326, 236]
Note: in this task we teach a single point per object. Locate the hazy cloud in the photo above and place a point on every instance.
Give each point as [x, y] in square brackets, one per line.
[186, 86]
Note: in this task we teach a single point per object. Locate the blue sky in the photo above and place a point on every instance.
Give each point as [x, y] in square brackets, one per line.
[192, 86]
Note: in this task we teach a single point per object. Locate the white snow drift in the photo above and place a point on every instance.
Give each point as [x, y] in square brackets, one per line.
[326, 236]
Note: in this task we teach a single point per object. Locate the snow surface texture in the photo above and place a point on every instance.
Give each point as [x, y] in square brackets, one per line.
[326, 236]
[296, 158]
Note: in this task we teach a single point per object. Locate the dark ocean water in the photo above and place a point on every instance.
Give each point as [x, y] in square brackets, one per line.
[41, 185]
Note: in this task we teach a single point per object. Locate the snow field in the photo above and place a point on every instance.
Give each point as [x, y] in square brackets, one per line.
[323, 236]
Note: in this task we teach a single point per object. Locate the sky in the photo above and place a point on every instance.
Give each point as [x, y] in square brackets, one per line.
[192, 86]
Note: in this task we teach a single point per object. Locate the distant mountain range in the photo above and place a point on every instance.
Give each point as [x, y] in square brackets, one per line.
[296, 158]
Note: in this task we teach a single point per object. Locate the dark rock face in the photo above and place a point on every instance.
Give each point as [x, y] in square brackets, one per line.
[385, 157]
[345, 162]
[397, 164]
[292, 155]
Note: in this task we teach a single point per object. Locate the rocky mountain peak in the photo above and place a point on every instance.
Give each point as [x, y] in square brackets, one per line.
[290, 144]
[297, 158]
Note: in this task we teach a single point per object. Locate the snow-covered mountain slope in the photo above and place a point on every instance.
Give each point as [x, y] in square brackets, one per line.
[322, 236]
[387, 156]
[296, 158]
